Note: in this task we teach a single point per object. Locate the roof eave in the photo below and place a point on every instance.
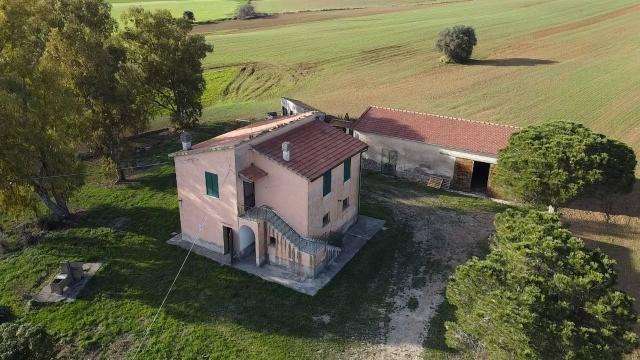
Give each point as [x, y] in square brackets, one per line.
[200, 151]
[474, 152]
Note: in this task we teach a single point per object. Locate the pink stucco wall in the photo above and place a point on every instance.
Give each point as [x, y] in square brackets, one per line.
[196, 207]
[284, 191]
[319, 205]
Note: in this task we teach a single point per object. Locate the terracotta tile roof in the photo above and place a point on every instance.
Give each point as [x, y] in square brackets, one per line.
[448, 132]
[315, 148]
[252, 173]
[248, 132]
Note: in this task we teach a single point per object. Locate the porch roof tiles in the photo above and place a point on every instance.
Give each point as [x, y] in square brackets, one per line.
[252, 173]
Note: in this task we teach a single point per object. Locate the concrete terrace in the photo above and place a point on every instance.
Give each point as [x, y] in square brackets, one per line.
[354, 239]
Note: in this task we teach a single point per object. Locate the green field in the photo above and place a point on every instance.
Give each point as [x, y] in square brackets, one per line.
[536, 61]
[202, 9]
[220, 9]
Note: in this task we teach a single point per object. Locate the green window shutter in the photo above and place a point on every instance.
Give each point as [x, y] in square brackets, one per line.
[212, 184]
[326, 183]
[347, 169]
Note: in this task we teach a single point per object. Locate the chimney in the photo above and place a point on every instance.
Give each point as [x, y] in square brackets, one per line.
[185, 138]
[286, 151]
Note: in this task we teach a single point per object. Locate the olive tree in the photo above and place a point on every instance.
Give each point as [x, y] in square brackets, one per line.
[40, 109]
[540, 294]
[556, 162]
[170, 60]
[246, 11]
[456, 43]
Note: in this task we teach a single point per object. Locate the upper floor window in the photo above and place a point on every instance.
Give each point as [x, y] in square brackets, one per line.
[212, 184]
[345, 204]
[326, 183]
[347, 169]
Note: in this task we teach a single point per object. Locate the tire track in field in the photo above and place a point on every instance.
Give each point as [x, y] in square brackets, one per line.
[586, 22]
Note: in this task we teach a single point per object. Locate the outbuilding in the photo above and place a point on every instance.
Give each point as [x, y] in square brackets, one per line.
[443, 151]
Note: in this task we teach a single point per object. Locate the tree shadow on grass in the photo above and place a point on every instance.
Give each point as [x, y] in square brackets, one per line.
[628, 275]
[140, 267]
[158, 180]
[616, 204]
[511, 62]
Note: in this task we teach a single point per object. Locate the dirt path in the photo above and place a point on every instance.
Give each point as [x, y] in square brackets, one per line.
[446, 239]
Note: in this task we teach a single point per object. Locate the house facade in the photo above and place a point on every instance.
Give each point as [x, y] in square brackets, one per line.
[271, 192]
[447, 152]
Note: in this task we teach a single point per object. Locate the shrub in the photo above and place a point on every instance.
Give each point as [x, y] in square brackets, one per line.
[540, 294]
[24, 341]
[247, 11]
[456, 43]
[188, 15]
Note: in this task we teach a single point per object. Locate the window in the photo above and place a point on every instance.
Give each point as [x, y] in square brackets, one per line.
[345, 204]
[326, 183]
[326, 220]
[212, 184]
[272, 241]
[347, 169]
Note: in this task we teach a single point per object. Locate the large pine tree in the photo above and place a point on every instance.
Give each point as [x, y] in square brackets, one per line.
[540, 294]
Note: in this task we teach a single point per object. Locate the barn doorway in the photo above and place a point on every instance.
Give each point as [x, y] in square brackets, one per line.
[480, 176]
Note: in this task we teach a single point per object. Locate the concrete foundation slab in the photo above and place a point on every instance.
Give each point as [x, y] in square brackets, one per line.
[354, 239]
[46, 296]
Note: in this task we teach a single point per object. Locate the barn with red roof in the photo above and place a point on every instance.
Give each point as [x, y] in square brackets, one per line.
[439, 150]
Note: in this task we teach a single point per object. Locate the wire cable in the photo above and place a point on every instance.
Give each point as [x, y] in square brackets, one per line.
[155, 317]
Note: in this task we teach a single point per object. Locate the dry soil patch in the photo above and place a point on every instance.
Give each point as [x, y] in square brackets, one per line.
[447, 239]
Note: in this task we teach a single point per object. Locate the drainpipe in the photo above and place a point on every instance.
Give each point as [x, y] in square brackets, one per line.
[359, 183]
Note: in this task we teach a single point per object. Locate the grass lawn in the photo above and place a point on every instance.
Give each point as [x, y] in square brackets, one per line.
[535, 61]
[213, 311]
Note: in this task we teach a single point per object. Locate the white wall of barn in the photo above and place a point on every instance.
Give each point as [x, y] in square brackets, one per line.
[416, 157]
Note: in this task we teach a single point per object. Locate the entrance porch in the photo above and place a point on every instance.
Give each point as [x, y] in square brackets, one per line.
[353, 240]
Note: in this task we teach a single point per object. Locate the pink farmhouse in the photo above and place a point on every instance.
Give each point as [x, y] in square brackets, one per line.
[271, 192]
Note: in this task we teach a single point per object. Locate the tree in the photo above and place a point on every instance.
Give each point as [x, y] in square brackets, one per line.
[24, 341]
[188, 15]
[40, 109]
[247, 11]
[556, 162]
[110, 84]
[170, 59]
[540, 294]
[456, 43]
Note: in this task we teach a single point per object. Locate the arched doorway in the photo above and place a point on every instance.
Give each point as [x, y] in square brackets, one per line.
[247, 239]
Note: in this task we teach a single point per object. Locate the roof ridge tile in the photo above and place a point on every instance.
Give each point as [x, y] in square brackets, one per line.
[442, 116]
